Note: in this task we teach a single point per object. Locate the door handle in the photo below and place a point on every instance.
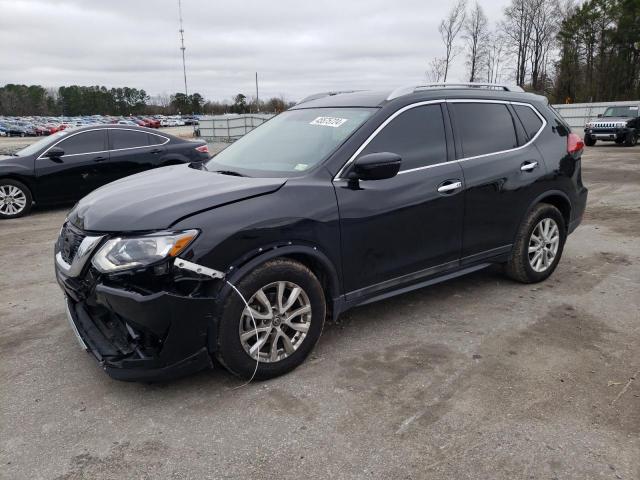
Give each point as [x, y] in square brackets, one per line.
[528, 166]
[99, 159]
[449, 186]
[156, 150]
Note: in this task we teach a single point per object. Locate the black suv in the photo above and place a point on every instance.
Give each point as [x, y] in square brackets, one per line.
[620, 124]
[344, 199]
[69, 164]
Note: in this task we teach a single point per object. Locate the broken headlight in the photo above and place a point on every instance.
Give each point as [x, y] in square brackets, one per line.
[123, 253]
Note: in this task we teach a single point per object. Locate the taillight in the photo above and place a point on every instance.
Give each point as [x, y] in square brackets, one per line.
[575, 144]
[203, 149]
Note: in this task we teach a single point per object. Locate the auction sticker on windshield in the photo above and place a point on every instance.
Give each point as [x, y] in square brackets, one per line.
[334, 122]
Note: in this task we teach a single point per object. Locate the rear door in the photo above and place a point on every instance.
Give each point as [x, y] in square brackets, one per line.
[502, 169]
[77, 172]
[398, 230]
[132, 151]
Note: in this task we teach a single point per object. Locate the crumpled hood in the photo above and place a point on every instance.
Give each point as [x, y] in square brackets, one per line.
[158, 198]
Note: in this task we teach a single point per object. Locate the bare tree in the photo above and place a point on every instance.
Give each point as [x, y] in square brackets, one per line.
[545, 20]
[449, 29]
[475, 32]
[495, 57]
[517, 26]
[435, 71]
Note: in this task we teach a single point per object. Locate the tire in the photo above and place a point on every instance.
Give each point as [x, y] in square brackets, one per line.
[619, 141]
[20, 195]
[234, 353]
[631, 140]
[529, 267]
[589, 141]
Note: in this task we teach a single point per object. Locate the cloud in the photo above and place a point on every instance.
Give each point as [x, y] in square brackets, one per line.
[297, 47]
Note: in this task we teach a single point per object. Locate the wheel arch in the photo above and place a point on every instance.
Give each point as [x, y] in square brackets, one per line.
[308, 255]
[558, 199]
[25, 181]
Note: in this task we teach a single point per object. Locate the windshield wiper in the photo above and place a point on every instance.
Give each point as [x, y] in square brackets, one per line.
[231, 172]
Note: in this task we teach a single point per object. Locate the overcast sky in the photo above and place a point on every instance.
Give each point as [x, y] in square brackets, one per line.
[297, 46]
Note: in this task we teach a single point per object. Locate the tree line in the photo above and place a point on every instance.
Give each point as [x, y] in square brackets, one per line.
[559, 48]
[74, 100]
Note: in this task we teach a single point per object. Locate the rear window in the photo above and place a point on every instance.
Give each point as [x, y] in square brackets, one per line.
[127, 139]
[484, 128]
[530, 120]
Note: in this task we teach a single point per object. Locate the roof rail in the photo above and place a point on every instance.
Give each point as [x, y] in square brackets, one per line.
[315, 96]
[399, 92]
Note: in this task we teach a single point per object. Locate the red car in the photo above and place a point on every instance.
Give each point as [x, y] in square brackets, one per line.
[152, 122]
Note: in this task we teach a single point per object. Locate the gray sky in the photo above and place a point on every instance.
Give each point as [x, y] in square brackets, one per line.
[297, 47]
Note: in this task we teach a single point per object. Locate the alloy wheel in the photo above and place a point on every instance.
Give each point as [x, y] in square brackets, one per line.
[12, 200]
[282, 313]
[543, 244]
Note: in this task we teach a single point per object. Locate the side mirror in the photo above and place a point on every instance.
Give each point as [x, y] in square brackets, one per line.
[375, 166]
[599, 115]
[55, 152]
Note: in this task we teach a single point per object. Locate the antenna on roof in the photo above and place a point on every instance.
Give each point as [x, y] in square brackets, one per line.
[182, 47]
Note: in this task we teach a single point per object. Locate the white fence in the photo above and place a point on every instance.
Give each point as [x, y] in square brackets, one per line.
[227, 128]
[577, 114]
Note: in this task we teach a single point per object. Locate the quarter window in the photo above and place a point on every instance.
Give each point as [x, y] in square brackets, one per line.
[484, 128]
[529, 119]
[128, 139]
[417, 135]
[86, 142]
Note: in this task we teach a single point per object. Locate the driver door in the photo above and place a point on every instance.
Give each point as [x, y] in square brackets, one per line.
[398, 230]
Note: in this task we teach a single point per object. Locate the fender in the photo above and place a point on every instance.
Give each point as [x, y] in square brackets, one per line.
[243, 266]
[249, 262]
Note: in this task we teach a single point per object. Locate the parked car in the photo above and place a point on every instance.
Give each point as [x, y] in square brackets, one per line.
[67, 165]
[14, 130]
[620, 124]
[342, 200]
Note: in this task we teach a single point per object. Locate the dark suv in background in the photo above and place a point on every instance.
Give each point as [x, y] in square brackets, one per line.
[67, 165]
[620, 124]
[345, 199]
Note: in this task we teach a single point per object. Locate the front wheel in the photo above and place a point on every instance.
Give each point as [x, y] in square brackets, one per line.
[538, 246]
[631, 140]
[287, 304]
[589, 141]
[15, 199]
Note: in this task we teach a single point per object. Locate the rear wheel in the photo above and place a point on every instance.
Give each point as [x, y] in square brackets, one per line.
[538, 246]
[287, 304]
[15, 199]
[589, 141]
[631, 139]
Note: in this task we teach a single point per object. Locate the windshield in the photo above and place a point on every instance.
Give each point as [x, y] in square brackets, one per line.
[631, 111]
[40, 144]
[292, 142]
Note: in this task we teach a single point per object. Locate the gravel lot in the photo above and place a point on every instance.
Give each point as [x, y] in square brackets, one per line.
[478, 378]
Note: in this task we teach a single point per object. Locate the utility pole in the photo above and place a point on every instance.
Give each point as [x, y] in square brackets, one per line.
[257, 96]
[182, 47]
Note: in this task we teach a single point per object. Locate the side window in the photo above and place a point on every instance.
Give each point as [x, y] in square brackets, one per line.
[484, 128]
[155, 139]
[417, 135]
[127, 139]
[530, 120]
[87, 142]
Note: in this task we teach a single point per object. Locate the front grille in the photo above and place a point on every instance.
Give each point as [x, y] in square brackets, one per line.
[70, 240]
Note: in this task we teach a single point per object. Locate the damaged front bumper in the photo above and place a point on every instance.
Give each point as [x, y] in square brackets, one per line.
[141, 331]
